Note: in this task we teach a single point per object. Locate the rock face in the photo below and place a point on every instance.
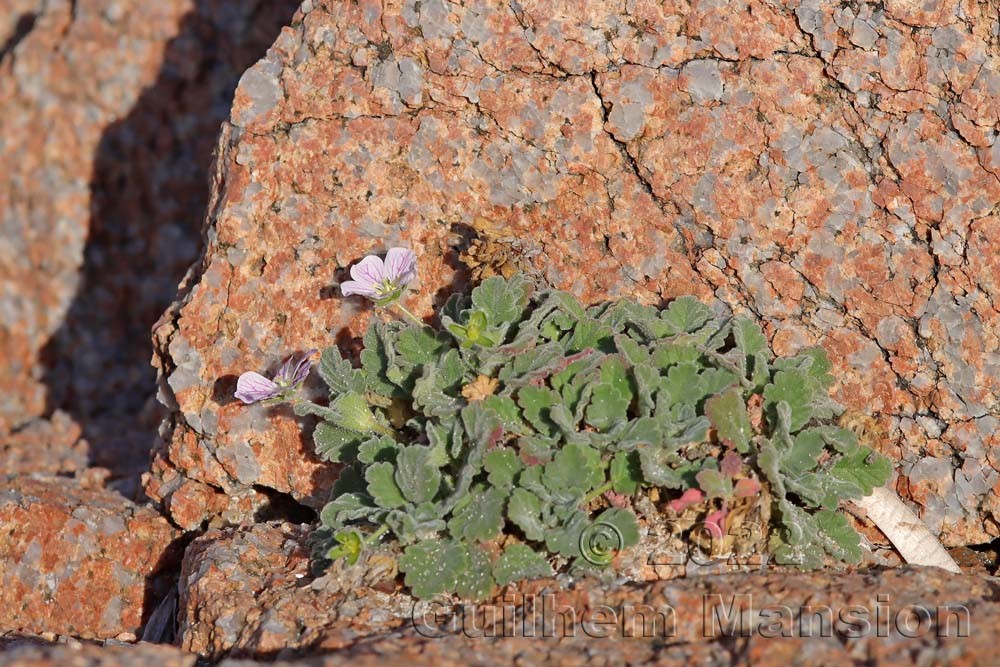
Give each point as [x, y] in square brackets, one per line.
[831, 170]
[78, 561]
[111, 110]
[88, 655]
[248, 594]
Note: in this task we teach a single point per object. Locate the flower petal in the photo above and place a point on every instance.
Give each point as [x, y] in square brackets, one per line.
[401, 265]
[253, 387]
[349, 287]
[302, 367]
[369, 271]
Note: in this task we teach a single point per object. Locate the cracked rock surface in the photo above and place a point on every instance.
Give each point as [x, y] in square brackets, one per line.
[831, 170]
[110, 113]
[78, 560]
[249, 595]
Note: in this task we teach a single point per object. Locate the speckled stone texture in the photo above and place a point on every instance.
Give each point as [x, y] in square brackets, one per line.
[110, 112]
[248, 594]
[829, 169]
[88, 655]
[77, 560]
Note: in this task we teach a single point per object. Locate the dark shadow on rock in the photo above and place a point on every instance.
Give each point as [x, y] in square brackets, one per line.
[25, 23]
[149, 190]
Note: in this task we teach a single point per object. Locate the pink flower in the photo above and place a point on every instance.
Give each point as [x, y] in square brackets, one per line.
[382, 281]
[253, 387]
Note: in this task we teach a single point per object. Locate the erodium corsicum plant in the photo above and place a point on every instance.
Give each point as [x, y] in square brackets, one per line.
[489, 447]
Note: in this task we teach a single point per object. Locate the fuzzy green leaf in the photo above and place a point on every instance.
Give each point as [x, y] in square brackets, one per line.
[338, 374]
[794, 388]
[433, 567]
[535, 402]
[501, 300]
[625, 525]
[574, 471]
[714, 483]
[481, 517]
[837, 536]
[525, 510]
[336, 444]
[685, 315]
[416, 476]
[349, 546]
[864, 468]
[382, 486]
[419, 345]
[345, 507]
[378, 449]
[728, 414]
[475, 580]
[518, 562]
[626, 472]
[502, 465]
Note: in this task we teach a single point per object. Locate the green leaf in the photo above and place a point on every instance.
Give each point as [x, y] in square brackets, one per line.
[382, 486]
[378, 360]
[754, 354]
[429, 398]
[378, 449]
[349, 546]
[355, 413]
[794, 388]
[509, 413]
[642, 431]
[502, 301]
[535, 402]
[345, 507]
[624, 523]
[433, 567]
[575, 470]
[837, 536]
[415, 476]
[864, 468]
[842, 439]
[336, 444]
[419, 345]
[518, 562]
[481, 517]
[565, 539]
[611, 397]
[728, 414]
[502, 465]
[525, 509]
[804, 453]
[685, 314]
[338, 374]
[666, 354]
[626, 472]
[588, 334]
[475, 580]
[659, 467]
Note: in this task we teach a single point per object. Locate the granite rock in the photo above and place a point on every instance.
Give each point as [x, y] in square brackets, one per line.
[77, 654]
[78, 560]
[830, 170]
[247, 593]
[111, 110]
[51, 446]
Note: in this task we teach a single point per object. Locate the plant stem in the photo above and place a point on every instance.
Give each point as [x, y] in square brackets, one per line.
[376, 535]
[599, 491]
[406, 312]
